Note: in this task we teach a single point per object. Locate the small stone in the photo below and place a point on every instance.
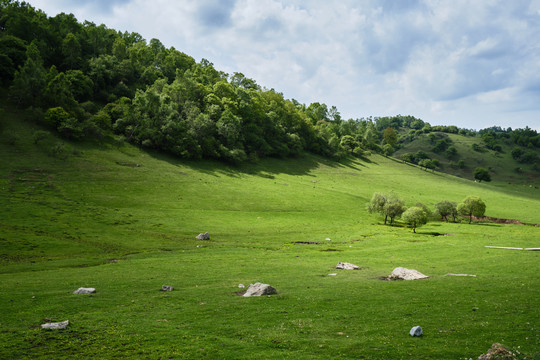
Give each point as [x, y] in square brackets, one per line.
[203, 236]
[167, 288]
[55, 326]
[332, 274]
[241, 286]
[259, 289]
[347, 266]
[328, 239]
[416, 331]
[84, 291]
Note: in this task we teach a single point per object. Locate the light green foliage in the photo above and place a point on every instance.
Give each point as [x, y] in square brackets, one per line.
[472, 206]
[415, 217]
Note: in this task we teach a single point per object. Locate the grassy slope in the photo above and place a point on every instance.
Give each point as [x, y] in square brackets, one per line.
[502, 166]
[60, 216]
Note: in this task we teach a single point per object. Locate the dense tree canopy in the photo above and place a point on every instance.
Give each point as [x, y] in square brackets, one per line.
[117, 82]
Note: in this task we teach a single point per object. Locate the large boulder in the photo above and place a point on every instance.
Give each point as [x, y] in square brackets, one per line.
[259, 289]
[401, 273]
[84, 291]
[55, 326]
[203, 236]
[347, 266]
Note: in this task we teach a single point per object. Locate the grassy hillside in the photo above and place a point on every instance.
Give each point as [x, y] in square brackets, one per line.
[111, 216]
[502, 167]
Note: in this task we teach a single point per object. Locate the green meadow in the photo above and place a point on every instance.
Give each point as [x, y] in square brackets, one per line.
[111, 216]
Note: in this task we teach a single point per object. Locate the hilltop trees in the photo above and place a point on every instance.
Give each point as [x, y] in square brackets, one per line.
[167, 100]
[472, 205]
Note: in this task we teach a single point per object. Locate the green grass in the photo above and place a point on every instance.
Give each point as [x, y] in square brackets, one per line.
[64, 217]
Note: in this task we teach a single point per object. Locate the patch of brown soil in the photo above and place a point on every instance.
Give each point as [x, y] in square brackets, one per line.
[497, 220]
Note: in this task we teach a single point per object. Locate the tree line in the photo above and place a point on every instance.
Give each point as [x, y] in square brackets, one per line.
[391, 207]
[86, 81]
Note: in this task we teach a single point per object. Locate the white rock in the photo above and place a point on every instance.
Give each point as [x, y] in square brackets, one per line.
[347, 266]
[416, 331]
[259, 289]
[167, 288]
[203, 236]
[84, 291]
[401, 273]
[241, 286]
[55, 326]
[333, 274]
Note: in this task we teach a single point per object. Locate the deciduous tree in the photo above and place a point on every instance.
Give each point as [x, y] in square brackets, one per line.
[415, 216]
[446, 208]
[472, 205]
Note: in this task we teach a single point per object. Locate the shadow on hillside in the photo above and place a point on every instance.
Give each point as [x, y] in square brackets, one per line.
[267, 167]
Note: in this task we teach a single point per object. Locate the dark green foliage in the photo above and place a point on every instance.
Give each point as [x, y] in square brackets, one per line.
[524, 156]
[481, 174]
[160, 98]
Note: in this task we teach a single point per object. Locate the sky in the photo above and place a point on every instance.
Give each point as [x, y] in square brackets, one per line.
[473, 64]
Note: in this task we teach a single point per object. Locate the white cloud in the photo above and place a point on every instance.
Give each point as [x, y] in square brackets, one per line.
[471, 64]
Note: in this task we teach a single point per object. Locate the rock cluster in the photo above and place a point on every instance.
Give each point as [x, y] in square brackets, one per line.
[497, 351]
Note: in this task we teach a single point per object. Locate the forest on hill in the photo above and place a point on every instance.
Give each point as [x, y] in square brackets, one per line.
[86, 81]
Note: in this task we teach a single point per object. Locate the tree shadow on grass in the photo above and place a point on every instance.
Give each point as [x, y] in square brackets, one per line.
[265, 168]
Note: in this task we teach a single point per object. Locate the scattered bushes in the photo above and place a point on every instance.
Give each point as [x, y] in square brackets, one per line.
[391, 206]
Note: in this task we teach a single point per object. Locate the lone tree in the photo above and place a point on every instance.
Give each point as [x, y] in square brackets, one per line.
[415, 216]
[482, 174]
[388, 205]
[445, 209]
[472, 205]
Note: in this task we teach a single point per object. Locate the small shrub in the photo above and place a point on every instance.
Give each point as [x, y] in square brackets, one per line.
[59, 151]
[39, 135]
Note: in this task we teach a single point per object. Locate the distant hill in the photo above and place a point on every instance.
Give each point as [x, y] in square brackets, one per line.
[460, 154]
